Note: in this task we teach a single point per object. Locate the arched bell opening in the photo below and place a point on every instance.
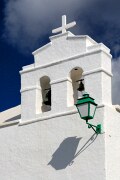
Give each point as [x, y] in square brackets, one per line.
[76, 87]
[46, 93]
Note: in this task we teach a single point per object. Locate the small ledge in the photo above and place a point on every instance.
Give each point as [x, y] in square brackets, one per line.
[99, 46]
[7, 124]
[82, 37]
[61, 80]
[47, 117]
[69, 112]
[96, 71]
[30, 88]
[68, 33]
[65, 60]
[28, 67]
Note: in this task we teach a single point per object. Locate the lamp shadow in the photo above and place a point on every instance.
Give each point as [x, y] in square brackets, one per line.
[66, 153]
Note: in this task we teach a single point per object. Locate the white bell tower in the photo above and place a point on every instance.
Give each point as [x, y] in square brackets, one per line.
[60, 64]
[48, 94]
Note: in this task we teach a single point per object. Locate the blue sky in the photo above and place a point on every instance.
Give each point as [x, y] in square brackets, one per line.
[26, 25]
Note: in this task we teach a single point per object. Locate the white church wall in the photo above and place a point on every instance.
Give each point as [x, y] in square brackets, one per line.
[62, 147]
[112, 143]
[58, 148]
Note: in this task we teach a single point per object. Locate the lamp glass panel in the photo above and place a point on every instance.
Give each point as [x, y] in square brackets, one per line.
[83, 109]
[92, 109]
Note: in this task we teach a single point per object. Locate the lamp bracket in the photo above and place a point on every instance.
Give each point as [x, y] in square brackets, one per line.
[97, 129]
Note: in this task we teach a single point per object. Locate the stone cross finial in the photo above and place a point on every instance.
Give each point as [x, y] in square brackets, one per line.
[64, 26]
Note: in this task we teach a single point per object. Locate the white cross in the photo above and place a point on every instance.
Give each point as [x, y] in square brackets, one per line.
[64, 26]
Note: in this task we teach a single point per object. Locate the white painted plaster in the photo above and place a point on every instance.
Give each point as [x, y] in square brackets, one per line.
[11, 113]
[27, 152]
[112, 143]
[61, 47]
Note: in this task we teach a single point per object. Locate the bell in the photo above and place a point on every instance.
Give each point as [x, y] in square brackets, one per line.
[81, 86]
[48, 97]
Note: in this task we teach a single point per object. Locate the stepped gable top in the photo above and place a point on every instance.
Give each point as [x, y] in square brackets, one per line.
[65, 45]
[62, 46]
[64, 34]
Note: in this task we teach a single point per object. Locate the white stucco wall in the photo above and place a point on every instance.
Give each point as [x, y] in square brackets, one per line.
[112, 142]
[61, 148]
[48, 150]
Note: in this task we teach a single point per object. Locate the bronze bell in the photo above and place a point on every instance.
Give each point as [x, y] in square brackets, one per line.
[48, 97]
[81, 86]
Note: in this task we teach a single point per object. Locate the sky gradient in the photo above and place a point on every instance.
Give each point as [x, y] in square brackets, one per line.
[26, 25]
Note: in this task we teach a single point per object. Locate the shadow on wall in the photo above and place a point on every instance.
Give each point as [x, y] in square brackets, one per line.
[14, 118]
[66, 153]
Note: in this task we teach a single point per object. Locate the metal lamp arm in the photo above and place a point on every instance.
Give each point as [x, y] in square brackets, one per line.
[96, 129]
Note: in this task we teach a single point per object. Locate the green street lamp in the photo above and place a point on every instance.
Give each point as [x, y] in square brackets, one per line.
[86, 108]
